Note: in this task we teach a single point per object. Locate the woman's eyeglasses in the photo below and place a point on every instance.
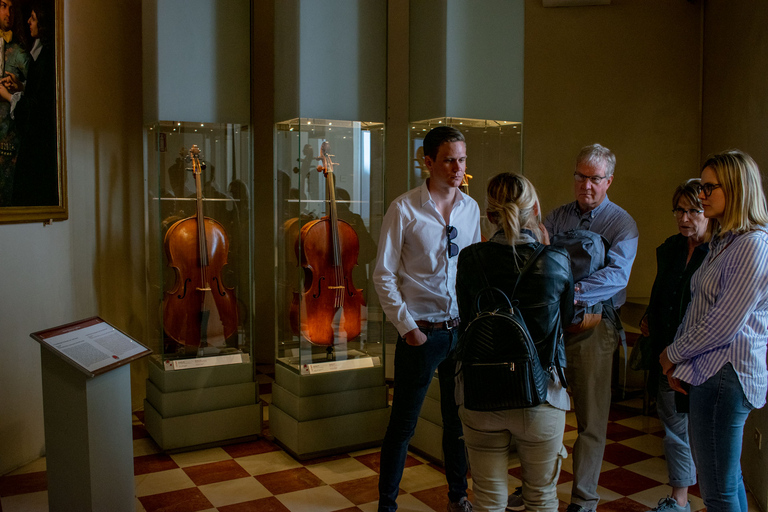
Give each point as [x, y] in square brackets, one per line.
[707, 188]
[679, 212]
[452, 233]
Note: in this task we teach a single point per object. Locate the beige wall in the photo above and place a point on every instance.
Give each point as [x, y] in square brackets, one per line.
[626, 76]
[92, 263]
[735, 115]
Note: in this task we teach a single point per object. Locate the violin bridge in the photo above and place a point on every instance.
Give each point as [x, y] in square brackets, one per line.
[206, 289]
[335, 287]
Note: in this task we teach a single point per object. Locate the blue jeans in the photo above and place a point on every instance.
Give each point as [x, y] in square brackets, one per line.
[677, 447]
[414, 368]
[719, 410]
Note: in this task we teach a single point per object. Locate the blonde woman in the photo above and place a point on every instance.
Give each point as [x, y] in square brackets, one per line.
[720, 349]
[545, 296]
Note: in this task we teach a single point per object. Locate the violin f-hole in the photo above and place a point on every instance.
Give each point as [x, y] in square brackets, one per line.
[184, 289]
[319, 287]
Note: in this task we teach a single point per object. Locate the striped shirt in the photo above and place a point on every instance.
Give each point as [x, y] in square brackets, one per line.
[616, 226]
[727, 320]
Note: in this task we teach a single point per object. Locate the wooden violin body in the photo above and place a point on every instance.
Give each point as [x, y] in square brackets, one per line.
[326, 249]
[199, 310]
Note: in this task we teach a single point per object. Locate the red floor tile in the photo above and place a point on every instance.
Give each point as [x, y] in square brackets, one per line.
[622, 455]
[437, 497]
[290, 480]
[622, 412]
[22, 484]
[626, 482]
[185, 500]
[362, 490]
[144, 464]
[250, 448]
[622, 505]
[203, 474]
[372, 460]
[139, 432]
[619, 432]
[270, 504]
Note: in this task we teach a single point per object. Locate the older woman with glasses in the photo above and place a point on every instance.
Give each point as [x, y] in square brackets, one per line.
[720, 349]
[676, 261]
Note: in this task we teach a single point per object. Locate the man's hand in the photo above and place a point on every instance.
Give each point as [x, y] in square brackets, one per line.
[415, 337]
[675, 384]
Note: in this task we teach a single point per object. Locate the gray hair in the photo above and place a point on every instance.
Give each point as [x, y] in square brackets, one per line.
[597, 155]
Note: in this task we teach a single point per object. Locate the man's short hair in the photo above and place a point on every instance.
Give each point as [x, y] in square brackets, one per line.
[597, 155]
[437, 137]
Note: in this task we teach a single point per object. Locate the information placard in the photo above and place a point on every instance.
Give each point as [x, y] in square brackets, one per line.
[92, 345]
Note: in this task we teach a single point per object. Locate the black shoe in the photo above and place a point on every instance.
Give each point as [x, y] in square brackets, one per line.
[578, 508]
[515, 501]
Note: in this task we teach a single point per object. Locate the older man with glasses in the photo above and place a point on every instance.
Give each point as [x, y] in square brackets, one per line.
[415, 277]
[589, 353]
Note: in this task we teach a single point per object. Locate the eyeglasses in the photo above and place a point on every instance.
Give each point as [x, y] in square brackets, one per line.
[679, 212]
[596, 180]
[452, 233]
[707, 188]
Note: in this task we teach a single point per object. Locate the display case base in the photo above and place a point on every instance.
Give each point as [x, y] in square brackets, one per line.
[203, 406]
[327, 436]
[327, 413]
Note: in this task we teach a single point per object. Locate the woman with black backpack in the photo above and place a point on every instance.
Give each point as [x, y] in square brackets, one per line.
[530, 417]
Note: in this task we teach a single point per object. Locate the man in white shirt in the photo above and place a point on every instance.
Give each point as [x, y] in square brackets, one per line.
[415, 277]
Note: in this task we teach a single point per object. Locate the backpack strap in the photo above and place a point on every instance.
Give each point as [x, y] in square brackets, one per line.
[527, 265]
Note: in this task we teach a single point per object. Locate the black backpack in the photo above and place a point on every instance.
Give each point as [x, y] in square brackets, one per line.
[589, 253]
[500, 364]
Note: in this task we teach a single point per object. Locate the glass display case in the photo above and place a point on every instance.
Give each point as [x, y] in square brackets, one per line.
[199, 283]
[492, 147]
[328, 194]
[198, 280]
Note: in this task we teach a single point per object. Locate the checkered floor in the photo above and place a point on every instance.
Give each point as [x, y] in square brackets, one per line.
[259, 476]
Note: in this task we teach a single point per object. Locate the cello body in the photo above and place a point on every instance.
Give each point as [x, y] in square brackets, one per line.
[199, 310]
[326, 249]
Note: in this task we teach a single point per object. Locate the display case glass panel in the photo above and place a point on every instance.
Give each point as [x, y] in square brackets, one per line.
[492, 147]
[199, 283]
[328, 197]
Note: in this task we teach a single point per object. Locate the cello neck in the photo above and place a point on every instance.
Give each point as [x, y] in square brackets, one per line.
[197, 171]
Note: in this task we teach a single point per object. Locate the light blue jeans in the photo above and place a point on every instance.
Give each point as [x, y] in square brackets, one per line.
[537, 433]
[719, 410]
[677, 447]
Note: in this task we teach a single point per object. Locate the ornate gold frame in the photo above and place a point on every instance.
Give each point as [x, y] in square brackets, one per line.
[16, 214]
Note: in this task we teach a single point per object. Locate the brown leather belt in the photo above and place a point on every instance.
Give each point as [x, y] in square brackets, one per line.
[447, 325]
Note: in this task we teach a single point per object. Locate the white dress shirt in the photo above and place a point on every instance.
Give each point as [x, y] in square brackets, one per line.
[414, 276]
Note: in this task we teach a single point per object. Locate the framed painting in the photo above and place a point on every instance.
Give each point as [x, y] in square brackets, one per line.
[33, 177]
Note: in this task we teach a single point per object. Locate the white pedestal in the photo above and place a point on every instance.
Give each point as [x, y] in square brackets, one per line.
[88, 438]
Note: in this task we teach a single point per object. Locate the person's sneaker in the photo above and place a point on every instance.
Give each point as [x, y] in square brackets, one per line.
[669, 504]
[515, 501]
[463, 505]
[578, 508]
